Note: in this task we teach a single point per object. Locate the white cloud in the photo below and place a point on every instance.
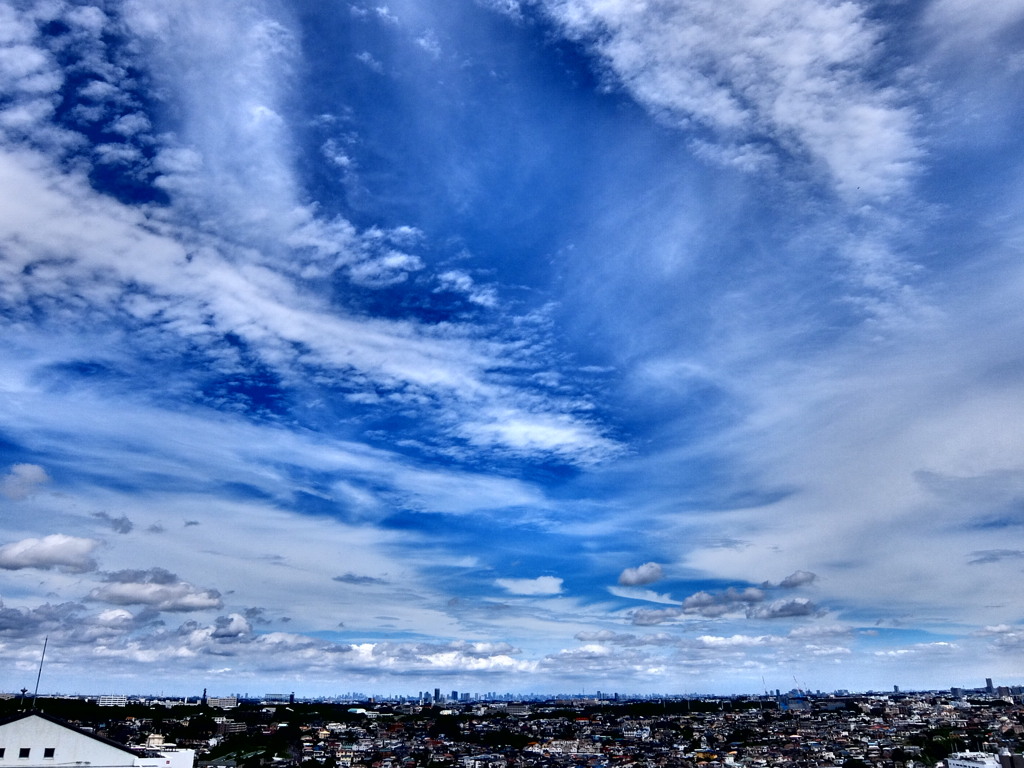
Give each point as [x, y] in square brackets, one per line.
[542, 585]
[237, 247]
[220, 259]
[642, 574]
[461, 282]
[22, 480]
[157, 589]
[737, 641]
[390, 268]
[194, 293]
[116, 617]
[520, 431]
[233, 626]
[794, 71]
[68, 553]
[436, 657]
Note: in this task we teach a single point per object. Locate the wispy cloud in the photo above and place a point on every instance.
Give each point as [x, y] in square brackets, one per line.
[768, 78]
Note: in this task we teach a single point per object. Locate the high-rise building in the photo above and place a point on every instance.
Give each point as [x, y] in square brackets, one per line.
[988, 685]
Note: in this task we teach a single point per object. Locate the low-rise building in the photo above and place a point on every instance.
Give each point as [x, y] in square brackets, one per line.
[35, 740]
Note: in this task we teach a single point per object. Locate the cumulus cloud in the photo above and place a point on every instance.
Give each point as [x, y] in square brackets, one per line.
[28, 622]
[647, 573]
[67, 553]
[783, 609]
[119, 524]
[156, 588]
[115, 617]
[713, 604]
[646, 617]
[472, 658]
[542, 585]
[1005, 637]
[798, 579]
[233, 626]
[22, 480]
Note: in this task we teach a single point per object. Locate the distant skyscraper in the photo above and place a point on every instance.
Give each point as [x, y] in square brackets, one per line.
[988, 685]
[437, 694]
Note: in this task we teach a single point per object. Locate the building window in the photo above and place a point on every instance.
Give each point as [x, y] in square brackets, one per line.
[24, 751]
[48, 752]
[2, 752]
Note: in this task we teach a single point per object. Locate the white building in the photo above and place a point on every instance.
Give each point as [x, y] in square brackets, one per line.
[972, 760]
[484, 761]
[35, 740]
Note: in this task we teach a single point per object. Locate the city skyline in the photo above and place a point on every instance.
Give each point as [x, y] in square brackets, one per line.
[228, 697]
[667, 345]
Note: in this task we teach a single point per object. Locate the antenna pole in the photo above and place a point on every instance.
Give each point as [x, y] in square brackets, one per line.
[40, 674]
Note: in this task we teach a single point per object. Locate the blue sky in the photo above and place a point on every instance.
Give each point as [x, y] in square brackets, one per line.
[547, 345]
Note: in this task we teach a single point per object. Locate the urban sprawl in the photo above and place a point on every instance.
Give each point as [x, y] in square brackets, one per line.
[956, 728]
